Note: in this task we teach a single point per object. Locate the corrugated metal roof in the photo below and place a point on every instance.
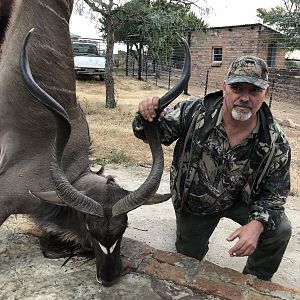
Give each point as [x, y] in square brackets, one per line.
[243, 25]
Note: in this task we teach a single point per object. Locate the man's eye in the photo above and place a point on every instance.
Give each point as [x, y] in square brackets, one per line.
[236, 88]
[256, 91]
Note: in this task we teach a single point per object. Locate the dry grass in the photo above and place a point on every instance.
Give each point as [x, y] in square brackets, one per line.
[112, 135]
[111, 128]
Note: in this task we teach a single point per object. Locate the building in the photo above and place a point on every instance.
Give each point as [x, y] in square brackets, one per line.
[214, 50]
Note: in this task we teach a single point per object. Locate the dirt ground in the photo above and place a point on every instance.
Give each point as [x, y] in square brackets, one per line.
[154, 225]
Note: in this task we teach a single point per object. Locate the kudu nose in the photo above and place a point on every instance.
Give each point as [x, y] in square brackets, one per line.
[108, 283]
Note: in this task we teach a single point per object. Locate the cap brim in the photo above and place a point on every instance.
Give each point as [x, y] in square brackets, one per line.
[263, 84]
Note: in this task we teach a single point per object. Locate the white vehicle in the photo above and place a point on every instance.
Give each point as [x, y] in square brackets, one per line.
[87, 60]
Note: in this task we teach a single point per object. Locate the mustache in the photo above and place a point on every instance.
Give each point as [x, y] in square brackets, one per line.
[244, 104]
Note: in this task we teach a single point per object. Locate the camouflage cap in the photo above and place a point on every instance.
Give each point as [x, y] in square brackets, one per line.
[250, 69]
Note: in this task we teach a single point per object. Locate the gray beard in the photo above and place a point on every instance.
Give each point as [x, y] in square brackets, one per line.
[241, 116]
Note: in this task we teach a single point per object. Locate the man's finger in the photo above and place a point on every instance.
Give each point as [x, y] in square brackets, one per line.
[233, 236]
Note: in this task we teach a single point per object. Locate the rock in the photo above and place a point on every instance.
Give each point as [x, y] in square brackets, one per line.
[288, 123]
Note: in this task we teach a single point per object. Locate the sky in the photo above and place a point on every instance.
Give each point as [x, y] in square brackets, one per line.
[224, 13]
[237, 12]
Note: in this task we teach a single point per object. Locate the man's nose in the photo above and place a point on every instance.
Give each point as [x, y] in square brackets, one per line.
[245, 97]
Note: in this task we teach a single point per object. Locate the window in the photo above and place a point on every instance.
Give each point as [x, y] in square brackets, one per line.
[271, 61]
[217, 56]
[84, 48]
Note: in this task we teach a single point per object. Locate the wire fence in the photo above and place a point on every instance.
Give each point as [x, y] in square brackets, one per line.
[212, 53]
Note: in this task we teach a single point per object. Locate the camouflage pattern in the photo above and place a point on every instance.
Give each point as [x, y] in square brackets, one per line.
[207, 176]
[250, 69]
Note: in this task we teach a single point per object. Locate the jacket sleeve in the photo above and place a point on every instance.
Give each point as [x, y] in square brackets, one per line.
[267, 206]
[171, 126]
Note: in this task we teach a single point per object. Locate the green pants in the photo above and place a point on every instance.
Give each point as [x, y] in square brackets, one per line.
[194, 231]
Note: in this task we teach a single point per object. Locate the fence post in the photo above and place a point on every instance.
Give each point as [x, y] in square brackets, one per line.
[156, 73]
[139, 50]
[146, 69]
[133, 61]
[169, 72]
[127, 60]
[189, 36]
[206, 82]
[271, 94]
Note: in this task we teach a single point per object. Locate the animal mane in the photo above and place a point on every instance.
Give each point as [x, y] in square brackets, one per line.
[6, 8]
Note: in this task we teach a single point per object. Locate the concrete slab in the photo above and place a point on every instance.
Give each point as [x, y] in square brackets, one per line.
[148, 273]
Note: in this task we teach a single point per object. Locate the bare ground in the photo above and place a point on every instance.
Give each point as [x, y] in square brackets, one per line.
[156, 225]
[23, 269]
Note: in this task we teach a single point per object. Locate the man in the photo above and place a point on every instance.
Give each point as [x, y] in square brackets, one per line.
[231, 160]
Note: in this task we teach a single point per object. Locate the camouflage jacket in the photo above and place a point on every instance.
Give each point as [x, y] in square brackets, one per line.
[208, 176]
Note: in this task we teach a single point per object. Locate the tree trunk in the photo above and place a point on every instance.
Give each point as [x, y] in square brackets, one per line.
[109, 80]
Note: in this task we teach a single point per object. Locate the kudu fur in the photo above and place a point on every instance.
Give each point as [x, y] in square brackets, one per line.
[44, 148]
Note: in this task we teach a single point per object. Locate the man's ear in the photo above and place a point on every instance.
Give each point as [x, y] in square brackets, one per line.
[224, 86]
[267, 92]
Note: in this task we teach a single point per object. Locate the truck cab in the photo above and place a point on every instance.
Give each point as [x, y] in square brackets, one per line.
[87, 60]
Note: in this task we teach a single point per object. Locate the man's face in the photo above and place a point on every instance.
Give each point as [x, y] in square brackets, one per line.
[243, 100]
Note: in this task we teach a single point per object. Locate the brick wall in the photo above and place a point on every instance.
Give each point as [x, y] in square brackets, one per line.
[235, 41]
[285, 84]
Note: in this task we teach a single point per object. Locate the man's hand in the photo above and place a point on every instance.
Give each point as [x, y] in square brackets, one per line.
[147, 108]
[248, 237]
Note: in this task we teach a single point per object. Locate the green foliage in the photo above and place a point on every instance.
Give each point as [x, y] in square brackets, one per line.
[157, 24]
[286, 20]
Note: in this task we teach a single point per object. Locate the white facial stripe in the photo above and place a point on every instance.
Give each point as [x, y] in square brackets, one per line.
[112, 248]
[108, 251]
[104, 249]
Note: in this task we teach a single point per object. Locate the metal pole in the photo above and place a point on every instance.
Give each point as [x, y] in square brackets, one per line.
[127, 60]
[206, 82]
[170, 69]
[271, 94]
[133, 61]
[156, 73]
[146, 66]
[186, 92]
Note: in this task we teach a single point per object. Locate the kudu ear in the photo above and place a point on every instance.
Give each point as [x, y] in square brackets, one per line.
[158, 198]
[50, 197]
[101, 171]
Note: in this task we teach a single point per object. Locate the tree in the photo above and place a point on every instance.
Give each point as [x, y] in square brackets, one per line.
[107, 9]
[155, 24]
[286, 20]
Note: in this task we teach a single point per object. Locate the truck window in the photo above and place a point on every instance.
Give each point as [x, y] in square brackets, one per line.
[83, 48]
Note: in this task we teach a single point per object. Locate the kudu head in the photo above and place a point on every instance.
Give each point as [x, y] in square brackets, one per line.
[100, 202]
